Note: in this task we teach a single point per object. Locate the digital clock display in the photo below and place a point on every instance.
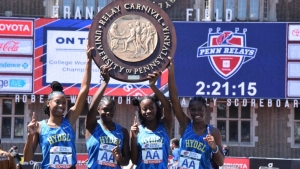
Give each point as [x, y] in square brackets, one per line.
[218, 89]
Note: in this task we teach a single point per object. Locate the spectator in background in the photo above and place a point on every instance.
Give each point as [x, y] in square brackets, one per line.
[6, 160]
[225, 151]
[14, 152]
[174, 145]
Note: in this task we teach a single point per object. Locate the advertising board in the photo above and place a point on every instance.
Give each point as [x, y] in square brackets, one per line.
[15, 27]
[60, 50]
[16, 65]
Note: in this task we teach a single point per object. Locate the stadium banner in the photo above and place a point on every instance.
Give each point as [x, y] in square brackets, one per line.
[238, 162]
[16, 55]
[13, 46]
[15, 84]
[16, 27]
[212, 60]
[60, 55]
[16, 65]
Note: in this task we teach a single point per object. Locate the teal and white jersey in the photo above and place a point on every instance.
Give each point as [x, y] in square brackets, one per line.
[195, 152]
[57, 145]
[99, 147]
[153, 148]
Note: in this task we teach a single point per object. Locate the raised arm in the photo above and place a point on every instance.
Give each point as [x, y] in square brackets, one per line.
[91, 117]
[214, 140]
[168, 120]
[180, 115]
[134, 152]
[76, 110]
[32, 139]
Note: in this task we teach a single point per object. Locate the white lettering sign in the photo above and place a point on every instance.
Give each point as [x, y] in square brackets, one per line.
[15, 65]
[66, 58]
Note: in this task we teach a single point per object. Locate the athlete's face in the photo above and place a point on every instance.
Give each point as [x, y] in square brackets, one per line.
[172, 145]
[198, 111]
[148, 109]
[57, 105]
[107, 111]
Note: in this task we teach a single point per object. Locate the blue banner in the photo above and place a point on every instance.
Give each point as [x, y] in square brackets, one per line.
[231, 60]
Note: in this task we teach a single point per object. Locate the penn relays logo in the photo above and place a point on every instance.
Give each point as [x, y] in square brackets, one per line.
[227, 51]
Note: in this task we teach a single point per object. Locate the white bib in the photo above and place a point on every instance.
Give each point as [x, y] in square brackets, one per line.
[105, 156]
[60, 157]
[152, 153]
[189, 160]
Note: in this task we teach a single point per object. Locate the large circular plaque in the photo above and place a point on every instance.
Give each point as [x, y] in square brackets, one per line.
[134, 37]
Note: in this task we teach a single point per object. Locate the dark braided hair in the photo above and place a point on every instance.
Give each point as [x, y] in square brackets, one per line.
[56, 88]
[197, 98]
[154, 99]
[107, 99]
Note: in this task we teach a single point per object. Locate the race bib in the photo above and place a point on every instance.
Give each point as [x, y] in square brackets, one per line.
[189, 160]
[60, 157]
[105, 157]
[152, 153]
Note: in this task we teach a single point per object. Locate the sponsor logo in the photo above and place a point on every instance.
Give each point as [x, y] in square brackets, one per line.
[296, 32]
[9, 46]
[15, 83]
[16, 46]
[226, 51]
[16, 27]
[15, 65]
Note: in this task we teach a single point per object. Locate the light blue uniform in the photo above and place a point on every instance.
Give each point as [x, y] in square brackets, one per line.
[153, 148]
[99, 147]
[195, 152]
[57, 145]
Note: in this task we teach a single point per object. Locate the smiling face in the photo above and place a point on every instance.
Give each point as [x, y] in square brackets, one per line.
[107, 110]
[57, 105]
[197, 111]
[148, 109]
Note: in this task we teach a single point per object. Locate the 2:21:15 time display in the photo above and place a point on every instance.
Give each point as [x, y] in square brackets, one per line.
[217, 87]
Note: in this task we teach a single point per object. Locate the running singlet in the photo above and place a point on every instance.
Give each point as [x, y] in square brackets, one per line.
[57, 145]
[195, 152]
[153, 148]
[99, 147]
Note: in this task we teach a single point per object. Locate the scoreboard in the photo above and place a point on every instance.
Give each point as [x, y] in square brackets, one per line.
[212, 59]
[238, 60]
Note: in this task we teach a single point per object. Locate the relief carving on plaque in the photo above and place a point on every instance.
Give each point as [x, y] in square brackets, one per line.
[132, 38]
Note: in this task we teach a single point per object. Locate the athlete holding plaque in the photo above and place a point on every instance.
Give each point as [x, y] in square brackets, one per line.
[150, 141]
[107, 142]
[199, 139]
[55, 135]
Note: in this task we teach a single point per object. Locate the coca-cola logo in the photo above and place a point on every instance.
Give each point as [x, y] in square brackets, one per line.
[11, 45]
[296, 32]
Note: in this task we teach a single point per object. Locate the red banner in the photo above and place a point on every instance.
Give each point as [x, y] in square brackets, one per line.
[242, 163]
[16, 28]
